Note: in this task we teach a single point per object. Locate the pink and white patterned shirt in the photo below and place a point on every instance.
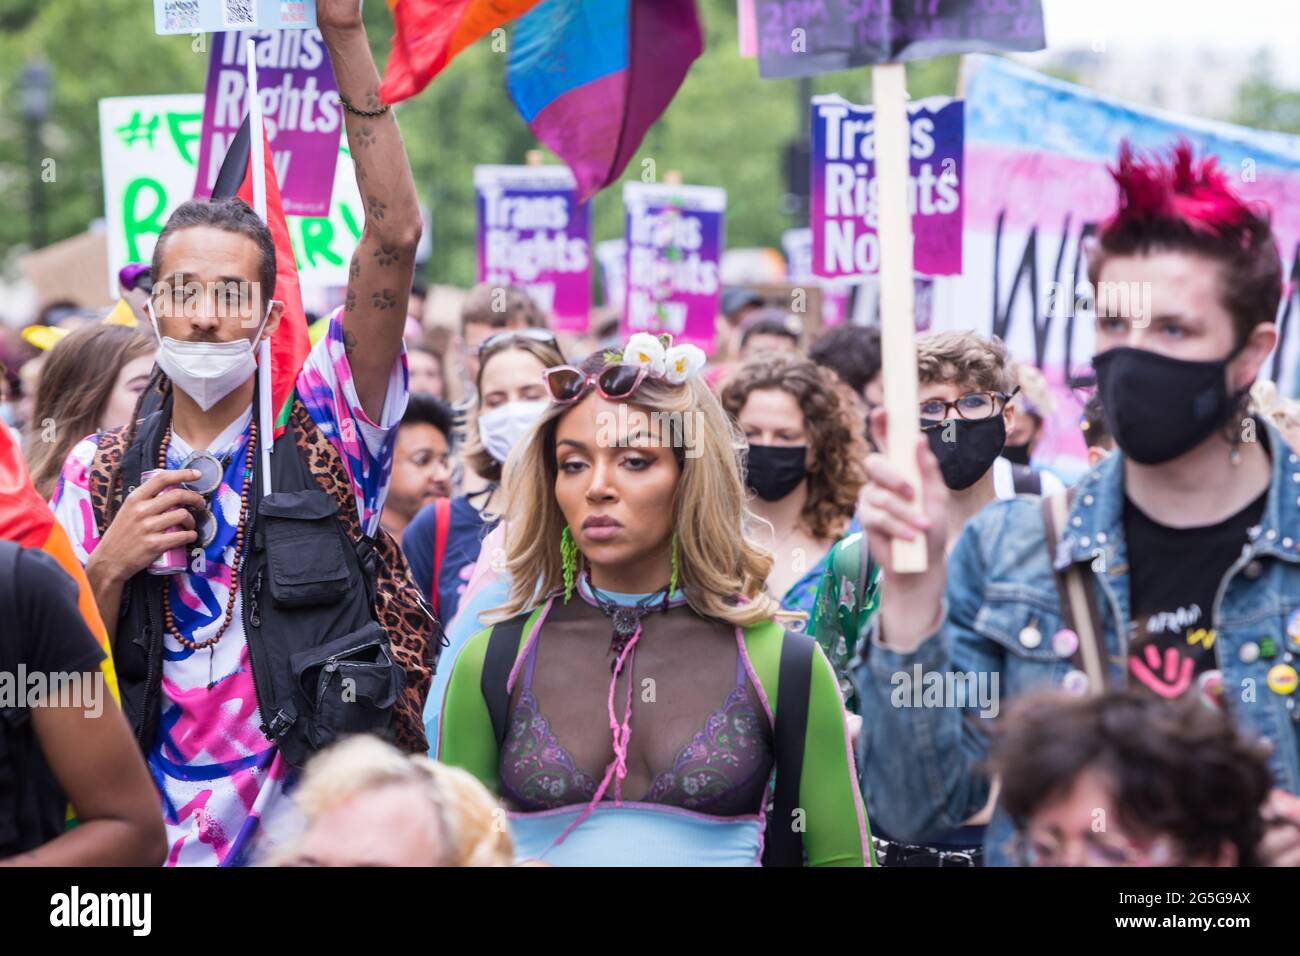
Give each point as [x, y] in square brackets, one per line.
[224, 787]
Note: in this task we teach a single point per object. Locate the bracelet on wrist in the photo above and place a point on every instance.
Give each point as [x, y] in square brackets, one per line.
[347, 105]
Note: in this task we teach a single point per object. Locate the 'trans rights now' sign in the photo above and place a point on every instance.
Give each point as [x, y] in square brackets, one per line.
[845, 191]
[532, 232]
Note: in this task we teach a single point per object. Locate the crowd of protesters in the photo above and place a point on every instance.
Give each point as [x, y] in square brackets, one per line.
[504, 595]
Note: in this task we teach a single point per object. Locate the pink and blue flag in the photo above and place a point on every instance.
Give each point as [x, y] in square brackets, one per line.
[590, 77]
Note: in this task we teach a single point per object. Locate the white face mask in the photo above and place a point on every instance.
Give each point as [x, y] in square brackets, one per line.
[207, 371]
[502, 428]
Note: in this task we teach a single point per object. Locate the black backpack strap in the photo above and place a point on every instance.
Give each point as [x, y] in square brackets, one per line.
[1026, 481]
[10, 717]
[502, 649]
[783, 844]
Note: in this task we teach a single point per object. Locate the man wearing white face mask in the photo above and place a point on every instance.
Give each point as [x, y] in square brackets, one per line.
[443, 541]
[250, 629]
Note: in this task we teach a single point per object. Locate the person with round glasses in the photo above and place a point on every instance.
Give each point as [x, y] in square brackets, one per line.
[633, 702]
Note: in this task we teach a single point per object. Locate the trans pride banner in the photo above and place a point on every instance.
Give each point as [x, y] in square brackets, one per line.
[1036, 185]
[533, 232]
[845, 194]
[590, 77]
[674, 248]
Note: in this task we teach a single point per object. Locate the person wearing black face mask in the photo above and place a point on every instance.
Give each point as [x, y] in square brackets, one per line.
[965, 391]
[965, 384]
[803, 467]
[1171, 568]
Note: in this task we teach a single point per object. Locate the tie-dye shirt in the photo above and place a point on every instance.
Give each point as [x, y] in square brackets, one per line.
[224, 787]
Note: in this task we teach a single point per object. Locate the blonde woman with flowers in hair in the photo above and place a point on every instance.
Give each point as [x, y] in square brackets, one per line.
[635, 704]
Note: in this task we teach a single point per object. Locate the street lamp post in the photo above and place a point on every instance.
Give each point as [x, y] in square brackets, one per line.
[34, 84]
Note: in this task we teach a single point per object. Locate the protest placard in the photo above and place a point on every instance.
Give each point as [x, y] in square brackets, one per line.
[214, 16]
[674, 245]
[532, 232]
[835, 293]
[808, 37]
[845, 193]
[300, 104]
[149, 146]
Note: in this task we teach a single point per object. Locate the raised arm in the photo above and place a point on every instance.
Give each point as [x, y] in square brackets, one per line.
[379, 282]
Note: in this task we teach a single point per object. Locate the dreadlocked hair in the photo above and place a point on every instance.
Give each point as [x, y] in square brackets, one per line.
[1177, 202]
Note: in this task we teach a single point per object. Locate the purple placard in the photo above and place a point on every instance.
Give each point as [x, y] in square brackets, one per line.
[844, 188]
[674, 250]
[808, 37]
[300, 107]
[532, 232]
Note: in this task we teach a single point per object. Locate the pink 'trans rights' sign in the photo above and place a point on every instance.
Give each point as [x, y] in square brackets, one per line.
[533, 233]
[844, 189]
[300, 106]
[674, 251]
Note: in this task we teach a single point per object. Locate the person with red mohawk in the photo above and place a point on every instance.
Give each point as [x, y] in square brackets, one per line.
[1172, 568]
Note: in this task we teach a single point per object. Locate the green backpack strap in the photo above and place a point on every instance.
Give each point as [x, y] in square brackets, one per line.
[498, 660]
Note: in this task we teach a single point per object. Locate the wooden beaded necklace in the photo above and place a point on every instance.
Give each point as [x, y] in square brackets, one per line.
[168, 618]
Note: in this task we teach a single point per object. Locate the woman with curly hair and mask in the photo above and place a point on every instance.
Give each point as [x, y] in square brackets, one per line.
[635, 704]
[804, 465]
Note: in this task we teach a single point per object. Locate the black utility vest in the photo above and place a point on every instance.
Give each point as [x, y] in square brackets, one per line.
[321, 663]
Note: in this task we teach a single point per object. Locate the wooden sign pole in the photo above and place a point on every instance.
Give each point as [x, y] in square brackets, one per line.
[897, 330]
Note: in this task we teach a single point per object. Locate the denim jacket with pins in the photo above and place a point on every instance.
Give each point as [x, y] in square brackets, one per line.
[922, 766]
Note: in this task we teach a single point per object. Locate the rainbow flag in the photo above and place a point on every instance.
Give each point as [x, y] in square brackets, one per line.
[590, 77]
[290, 344]
[26, 519]
[429, 34]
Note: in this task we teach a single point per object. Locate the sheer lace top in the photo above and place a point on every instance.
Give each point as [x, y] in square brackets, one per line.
[700, 737]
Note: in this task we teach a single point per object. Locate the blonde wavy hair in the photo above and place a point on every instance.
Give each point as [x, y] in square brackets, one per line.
[471, 818]
[720, 570]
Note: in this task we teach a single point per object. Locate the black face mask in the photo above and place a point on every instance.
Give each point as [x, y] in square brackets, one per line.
[1016, 454]
[973, 448]
[1159, 407]
[773, 471]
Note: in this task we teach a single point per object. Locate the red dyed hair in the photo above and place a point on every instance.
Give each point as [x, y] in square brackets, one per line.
[1179, 203]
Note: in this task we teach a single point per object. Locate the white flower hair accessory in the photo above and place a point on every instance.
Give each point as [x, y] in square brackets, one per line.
[683, 362]
[644, 349]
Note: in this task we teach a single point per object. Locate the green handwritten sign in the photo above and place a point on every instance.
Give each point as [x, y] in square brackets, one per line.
[148, 149]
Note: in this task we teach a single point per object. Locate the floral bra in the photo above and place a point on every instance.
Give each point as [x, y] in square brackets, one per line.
[722, 771]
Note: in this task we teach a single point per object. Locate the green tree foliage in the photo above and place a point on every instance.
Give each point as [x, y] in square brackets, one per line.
[726, 127]
[1263, 104]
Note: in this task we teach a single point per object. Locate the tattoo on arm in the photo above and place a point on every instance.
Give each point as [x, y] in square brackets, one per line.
[349, 341]
[384, 300]
[366, 137]
[375, 207]
[387, 254]
[354, 269]
[350, 304]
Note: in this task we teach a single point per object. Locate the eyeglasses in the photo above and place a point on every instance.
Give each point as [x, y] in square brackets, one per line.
[615, 382]
[502, 339]
[972, 406]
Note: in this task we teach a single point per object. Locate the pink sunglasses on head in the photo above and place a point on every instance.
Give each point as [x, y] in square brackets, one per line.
[567, 384]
